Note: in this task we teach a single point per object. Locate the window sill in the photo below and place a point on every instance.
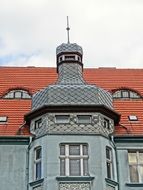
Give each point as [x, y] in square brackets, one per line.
[111, 182]
[134, 184]
[74, 178]
[36, 182]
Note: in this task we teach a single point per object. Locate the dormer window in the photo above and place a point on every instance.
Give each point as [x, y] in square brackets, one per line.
[17, 94]
[126, 94]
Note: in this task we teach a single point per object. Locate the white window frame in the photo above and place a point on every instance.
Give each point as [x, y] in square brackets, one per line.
[36, 162]
[126, 94]
[81, 157]
[138, 164]
[23, 94]
[109, 162]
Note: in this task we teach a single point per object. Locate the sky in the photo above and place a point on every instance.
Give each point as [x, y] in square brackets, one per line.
[109, 31]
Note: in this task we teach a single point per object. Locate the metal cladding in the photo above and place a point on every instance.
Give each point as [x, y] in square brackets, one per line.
[69, 47]
[70, 88]
[72, 95]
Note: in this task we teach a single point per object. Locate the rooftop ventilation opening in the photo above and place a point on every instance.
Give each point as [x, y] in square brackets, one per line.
[3, 119]
[133, 118]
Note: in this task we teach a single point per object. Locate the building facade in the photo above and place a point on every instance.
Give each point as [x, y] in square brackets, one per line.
[74, 130]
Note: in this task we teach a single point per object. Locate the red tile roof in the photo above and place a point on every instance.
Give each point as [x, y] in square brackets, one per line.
[34, 79]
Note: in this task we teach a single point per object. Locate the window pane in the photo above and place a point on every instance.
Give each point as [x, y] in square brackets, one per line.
[85, 167]
[125, 94]
[141, 157]
[133, 118]
[38, 170]
[134, 95]
[62, 118]
[38, 123]
[74, 149]
[62, 167]
[141, 173]
[132, 157]
[9, 95]
[70, 57]
[133, 174]
[85, 150]
[62, 150]
[38, 153]
[25, 95]
[74, 167]
[117, 94]
[18, 94]
[108, 170]
[84, 118]
[108, 153]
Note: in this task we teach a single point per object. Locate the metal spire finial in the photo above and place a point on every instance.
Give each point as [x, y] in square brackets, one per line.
[68, 28]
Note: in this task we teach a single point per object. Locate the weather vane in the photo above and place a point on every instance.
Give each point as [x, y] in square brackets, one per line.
[68, 28]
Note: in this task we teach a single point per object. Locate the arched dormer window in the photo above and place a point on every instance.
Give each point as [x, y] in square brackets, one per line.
[126, 94]
[17, 94]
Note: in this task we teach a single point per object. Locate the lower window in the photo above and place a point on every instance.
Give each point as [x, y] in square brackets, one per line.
[109, 163]
[136, 166]
[37, 163]
[73, 160]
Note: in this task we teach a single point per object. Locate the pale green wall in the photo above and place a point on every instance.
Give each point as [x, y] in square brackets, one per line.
[51, 163]
[13, 167]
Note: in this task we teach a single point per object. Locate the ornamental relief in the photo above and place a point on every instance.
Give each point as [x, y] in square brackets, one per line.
[49, 126]
[74, 186]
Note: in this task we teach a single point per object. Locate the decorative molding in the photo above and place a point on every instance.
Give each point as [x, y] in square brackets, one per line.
[74, 178]
[96, 126]
[111, 182]
[134, 184]
[128, 139]
[37, 182]
[74, 186]
[17, 140]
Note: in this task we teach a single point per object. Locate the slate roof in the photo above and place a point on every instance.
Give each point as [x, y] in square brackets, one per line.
[34, 79]
[69, 47]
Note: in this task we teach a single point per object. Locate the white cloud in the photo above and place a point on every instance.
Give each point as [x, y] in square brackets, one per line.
[110, 32]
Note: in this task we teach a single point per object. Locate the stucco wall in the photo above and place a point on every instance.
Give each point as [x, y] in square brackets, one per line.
[51, 162]
[13, 167]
